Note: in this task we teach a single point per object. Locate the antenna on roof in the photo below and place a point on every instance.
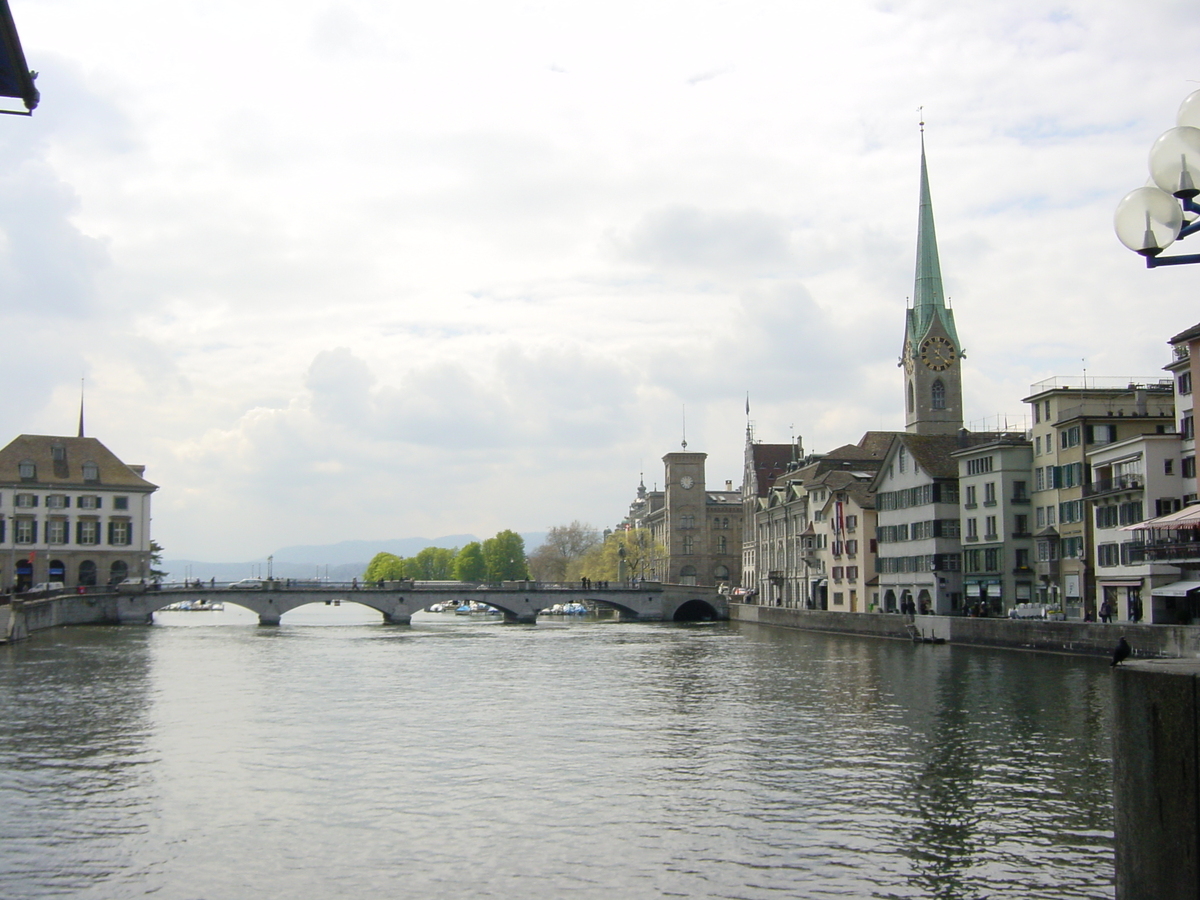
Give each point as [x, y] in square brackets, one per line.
[81, 407]
[684, 441]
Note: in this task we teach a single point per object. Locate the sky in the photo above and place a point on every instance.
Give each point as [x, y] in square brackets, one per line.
[369, 270]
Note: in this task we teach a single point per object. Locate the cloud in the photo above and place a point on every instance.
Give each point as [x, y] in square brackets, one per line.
[688, 237]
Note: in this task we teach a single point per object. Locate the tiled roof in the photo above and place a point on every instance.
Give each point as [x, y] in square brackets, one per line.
[67, 472]
[770, 461]
[1191, 334]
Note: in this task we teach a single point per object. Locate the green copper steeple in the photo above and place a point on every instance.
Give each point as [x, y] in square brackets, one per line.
[929, 298]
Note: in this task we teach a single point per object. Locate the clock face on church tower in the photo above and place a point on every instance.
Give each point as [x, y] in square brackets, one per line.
[938, 353]
[686, 482]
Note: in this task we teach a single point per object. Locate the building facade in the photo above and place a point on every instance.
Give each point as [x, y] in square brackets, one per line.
[699, 529]
[1072, 416]
[71, 512]
[996, 524]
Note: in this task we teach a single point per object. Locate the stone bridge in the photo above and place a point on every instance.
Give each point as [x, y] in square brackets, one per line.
[396, 601]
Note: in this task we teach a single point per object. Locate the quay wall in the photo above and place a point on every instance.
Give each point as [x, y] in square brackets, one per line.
[1080, 638]
[24, 617]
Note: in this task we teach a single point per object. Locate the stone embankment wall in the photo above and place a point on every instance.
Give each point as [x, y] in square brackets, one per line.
[1083, 638]
[23, 617]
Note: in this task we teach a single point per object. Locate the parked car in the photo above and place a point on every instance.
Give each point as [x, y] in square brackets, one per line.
[246, 584]
[47, 587]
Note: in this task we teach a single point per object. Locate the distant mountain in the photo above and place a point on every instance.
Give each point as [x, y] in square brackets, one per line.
[340, 562]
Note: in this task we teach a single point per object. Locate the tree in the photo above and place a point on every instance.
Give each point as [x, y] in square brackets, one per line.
[557, 559]
[504, 557]
[384, 567]
[431, 564]
[603, 562]
[469, 565]
[156, 561]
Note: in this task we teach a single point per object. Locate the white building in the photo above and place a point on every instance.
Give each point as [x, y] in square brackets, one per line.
[70, 511]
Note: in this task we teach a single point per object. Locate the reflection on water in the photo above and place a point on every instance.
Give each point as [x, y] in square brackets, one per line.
[211, 758]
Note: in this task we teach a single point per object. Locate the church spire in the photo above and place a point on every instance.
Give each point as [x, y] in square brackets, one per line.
[929, 297]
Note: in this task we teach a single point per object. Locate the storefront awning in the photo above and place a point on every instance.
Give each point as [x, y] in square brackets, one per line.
[1181, 518]
[1177, 589]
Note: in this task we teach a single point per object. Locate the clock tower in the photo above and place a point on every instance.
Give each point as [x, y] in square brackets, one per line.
[931, 355]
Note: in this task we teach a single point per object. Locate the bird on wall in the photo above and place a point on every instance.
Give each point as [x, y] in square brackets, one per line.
[1122, 652]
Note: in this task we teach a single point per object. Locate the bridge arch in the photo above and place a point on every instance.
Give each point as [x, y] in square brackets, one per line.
[695, 611]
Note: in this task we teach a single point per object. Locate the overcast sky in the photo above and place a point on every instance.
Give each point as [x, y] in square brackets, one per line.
[379, 269]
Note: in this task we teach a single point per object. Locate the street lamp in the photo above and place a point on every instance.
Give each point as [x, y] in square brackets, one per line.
[1149, 219]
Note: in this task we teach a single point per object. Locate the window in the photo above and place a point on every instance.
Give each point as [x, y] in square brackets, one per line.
[1168, 467]
[87, 532]
[91, 472]
[1101, 434]
[120, 533]
[991, 559]
[1130, 513]
[27, 501]
[851, 573]
[1037, 445]
[1187, 427]
[903, 458]
[1108, 555]
[1187, 467]
[123, 503]
[1040, 512]
[851, 548]
[1069, 437]
[688, 542]
[684, 521]
[57, 531]
[1020, 525]
[989, 494]
[1037, 417]
[58, 453]
[1049, 515]
[989, 525]
[89, 501]
[1021, 555]
[979, 466]
[851, 522]
[1165, 505]
[722, 544]
[57, 501]
[972, 529]
[25, 531]
[27, 469]
[1039, 478]
[836, 573]
[938, 395]
[970, 503]
[1185, 382]
[1020, 491]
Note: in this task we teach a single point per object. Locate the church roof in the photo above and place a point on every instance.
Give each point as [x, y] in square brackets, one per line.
[929, 297]
[769, 461]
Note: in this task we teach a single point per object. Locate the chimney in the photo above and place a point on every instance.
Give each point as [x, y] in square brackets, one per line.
[728, 484]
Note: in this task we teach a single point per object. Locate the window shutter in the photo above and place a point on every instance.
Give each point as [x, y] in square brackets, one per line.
[110, 533]
[33, 531]
[128, 533]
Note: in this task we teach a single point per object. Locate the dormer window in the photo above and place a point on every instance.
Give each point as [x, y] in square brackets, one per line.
[91, 472]
[28, 470]
[58, 453]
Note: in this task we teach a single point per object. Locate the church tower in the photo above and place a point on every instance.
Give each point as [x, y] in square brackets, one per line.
[932, 353]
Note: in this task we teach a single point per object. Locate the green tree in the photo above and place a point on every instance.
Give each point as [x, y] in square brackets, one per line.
[504, 557]
[384, 567]
[558, 558]
[431, 564]
[156, 561]
[469, 564]
[603, 562]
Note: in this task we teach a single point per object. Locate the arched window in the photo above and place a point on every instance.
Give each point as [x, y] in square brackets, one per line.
[118, 572]
[687, 575]
[938, 394]
[87, 572]
[721, 573]
[911, 400]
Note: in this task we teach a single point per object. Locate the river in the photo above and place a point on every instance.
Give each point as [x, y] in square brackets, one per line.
[209, 758]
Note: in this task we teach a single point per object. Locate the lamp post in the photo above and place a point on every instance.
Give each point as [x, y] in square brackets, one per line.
[1149, 219]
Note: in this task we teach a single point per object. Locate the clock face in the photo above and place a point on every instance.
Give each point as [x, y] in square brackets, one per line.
[686, 482]
[938, 353]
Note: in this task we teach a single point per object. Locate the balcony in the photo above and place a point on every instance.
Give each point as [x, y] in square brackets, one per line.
[1165, 552]
[1021, 535]
[1047, 568]
[1114, 485]
[1023, 500]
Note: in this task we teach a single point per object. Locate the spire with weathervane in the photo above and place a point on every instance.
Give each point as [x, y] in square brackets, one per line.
[932, 352]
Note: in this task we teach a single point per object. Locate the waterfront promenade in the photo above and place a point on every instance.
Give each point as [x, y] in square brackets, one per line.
[1079, 638]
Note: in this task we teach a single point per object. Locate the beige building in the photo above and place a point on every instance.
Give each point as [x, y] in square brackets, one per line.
[71, 512]
[700, 529]
[1072, 416]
